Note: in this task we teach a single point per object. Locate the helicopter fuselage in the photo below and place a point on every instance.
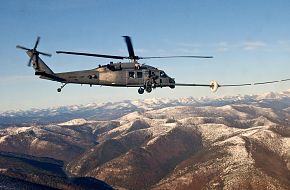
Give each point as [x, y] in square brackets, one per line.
[126, 74]
[117, 74]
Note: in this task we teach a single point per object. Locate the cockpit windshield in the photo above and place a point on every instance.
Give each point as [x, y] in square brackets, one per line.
[163, 74]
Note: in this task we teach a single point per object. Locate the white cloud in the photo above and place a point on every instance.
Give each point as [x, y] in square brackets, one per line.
[222, 46]
[253, 45]
[187, 50]
[284, 42]
[189, 45]
[284, 45]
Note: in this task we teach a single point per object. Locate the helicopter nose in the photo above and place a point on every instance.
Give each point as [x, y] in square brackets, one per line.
[171, 81]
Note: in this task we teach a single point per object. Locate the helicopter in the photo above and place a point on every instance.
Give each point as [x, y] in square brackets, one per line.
[119, 74]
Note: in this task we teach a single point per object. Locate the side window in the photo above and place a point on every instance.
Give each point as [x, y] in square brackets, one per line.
[131, 74]
[139, 74]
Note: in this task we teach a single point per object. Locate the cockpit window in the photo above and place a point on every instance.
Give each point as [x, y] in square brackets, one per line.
[163, 74]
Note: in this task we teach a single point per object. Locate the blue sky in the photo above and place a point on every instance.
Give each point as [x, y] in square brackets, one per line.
[249, 40]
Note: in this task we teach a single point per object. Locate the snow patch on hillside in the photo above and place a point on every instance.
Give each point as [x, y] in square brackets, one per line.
[213, 132]
[149, 104]
[79, 121]
[22, 129]
[2, 139]
[130, 117]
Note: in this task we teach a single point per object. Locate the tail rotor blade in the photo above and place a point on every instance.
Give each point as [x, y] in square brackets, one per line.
[45, 54]
[36, 43]
[33, 52]
[21, 47]
[36, 61]
[30, 60]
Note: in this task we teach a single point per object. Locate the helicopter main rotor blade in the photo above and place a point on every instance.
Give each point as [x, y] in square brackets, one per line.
[93, 55]
[130, 47]
[176, 56]
[131, 53]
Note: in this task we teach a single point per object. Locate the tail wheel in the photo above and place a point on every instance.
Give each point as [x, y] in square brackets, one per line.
[62, 86]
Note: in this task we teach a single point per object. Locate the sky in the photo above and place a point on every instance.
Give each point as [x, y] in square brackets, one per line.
[248, 39]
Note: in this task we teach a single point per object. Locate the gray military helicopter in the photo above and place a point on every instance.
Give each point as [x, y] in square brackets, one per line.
[120, 74]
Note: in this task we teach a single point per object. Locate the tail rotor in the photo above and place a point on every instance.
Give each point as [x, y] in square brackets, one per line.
[34, 52]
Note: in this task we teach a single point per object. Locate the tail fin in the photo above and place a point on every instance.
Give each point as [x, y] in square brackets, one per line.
[38, 64]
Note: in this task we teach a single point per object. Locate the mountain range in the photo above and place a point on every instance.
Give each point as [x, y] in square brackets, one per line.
[114, 110]
[239, 142]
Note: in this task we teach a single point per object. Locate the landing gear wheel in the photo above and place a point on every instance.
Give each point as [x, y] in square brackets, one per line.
[148, 89]
[59, 89]
[141, 90]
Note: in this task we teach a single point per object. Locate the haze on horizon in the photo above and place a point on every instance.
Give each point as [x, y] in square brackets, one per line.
[249, 41]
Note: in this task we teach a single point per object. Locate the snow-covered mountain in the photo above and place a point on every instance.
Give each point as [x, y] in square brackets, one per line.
[188, 147]
[110, 111]
[240, 142]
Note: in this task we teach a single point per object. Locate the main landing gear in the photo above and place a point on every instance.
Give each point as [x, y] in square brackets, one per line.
[141, 90]
[147, 87]
[59, 89]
